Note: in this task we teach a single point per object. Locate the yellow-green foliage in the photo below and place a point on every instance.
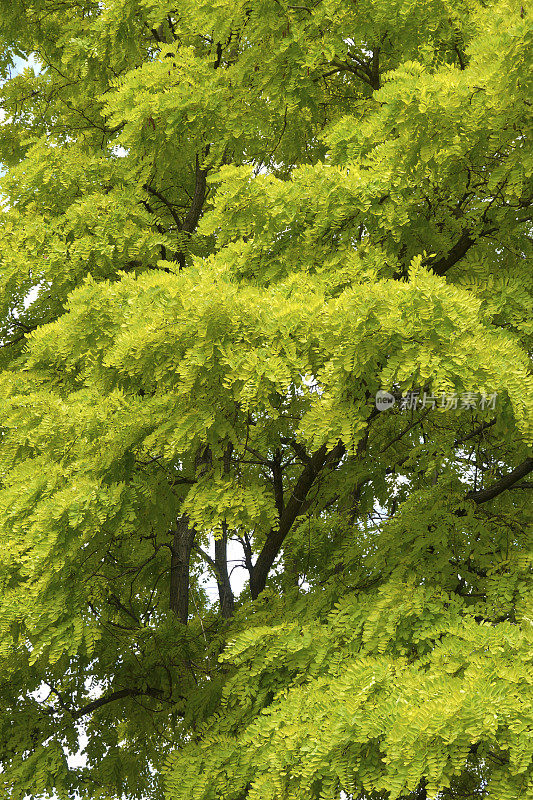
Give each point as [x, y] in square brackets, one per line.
[225, 227]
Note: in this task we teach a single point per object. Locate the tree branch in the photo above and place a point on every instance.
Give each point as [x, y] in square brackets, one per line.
[483, 495]
[225, 594]
[320, 459]
[110, 698]
[459, 249]
[205, 556]
[165, 202]
[179, 569]
[193, 215]
[277, 479]
[456, 253]
[476, 432]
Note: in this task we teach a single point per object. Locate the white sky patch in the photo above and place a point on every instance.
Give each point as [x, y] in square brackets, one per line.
[20, 64]
[119, 151]
[236, 569]
[32, 296]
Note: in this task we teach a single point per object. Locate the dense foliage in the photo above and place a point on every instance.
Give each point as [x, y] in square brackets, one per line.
[227, 225]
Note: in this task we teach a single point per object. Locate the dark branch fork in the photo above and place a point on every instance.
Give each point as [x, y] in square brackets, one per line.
[298, 502]
[184, 542]
[483, 495]
[119, 694]
[321, 459]
[190, 220]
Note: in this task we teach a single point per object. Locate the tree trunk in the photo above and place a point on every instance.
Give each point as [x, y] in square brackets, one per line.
[179, 569]
[225, 594]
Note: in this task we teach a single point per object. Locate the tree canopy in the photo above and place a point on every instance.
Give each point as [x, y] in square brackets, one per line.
[227, 227]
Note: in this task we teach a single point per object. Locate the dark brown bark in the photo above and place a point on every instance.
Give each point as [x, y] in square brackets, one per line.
[421, 792]
[476, 432]
[367, 71]
[174, 214]
[179, 569]
[111, 698]
[292, 510]
[190, 220]
[483, 495]
[277, 482]
[225, 594]
[193, 214]
[460, 248]
[375, 80]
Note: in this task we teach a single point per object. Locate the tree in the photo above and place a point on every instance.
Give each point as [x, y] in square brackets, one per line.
[227, 227]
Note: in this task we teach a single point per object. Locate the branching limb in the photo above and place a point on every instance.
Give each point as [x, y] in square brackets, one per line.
[483, 495]
[165, 202]
[110, 698]
[320, 459]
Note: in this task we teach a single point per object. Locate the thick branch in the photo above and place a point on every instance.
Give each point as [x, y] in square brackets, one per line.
[247, 549]
[456, 253]
[207, 558]
[362, 72]
[193, 215]
[483, 495]
[179, 569]
[460, 248]
[375, 81]
[299, 449]
[277, 479]
[159, 34]
[476, 432]
[292, 510]
[165, 202]
[110, 698]
[225, 594]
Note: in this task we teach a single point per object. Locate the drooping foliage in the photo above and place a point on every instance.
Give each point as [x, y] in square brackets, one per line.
[226, 572]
